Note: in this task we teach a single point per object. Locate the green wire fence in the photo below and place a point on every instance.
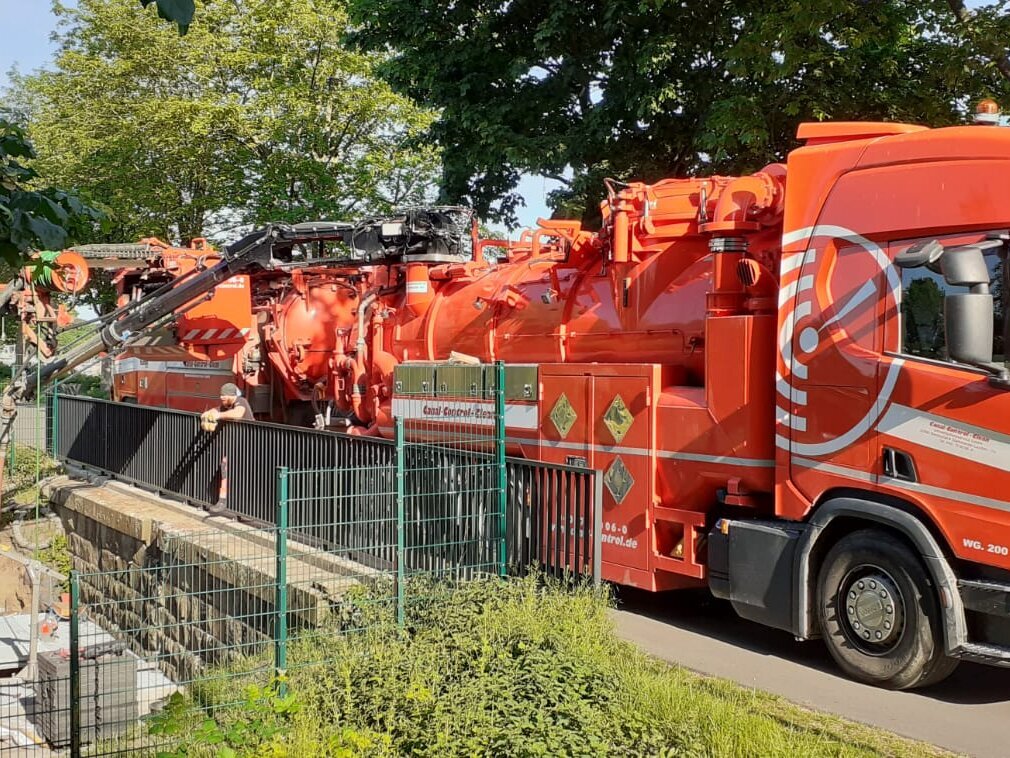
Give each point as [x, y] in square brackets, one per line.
[188, 628]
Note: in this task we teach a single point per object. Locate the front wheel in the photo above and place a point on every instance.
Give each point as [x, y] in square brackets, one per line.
[879, 613]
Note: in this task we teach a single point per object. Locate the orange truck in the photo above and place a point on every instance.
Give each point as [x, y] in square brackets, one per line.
[793, 383]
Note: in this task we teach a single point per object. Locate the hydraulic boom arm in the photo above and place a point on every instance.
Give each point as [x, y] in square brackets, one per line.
[261, 249]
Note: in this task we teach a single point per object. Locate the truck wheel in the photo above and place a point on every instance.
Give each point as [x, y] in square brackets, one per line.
[879, 613]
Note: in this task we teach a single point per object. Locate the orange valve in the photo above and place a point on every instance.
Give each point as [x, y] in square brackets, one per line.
[60, 271]
[72, 273]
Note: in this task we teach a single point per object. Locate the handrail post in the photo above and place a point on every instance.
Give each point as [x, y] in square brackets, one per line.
[401, 568]
[281, 589]
[597, 538]
[56, 423]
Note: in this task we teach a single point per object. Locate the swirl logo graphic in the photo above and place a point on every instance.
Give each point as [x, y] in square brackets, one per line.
[805, 325]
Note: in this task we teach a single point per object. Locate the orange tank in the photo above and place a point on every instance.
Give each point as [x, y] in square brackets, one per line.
[558, 299]
[302, 332]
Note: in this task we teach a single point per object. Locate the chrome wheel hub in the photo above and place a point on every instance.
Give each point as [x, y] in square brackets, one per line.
[873, 609]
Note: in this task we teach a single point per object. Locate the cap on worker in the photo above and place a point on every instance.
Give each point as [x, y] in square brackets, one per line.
[229, 390]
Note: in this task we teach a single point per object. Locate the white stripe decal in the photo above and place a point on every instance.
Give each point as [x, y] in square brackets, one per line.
[926, 489]
[191, 335]
[799, 397]
[793, 262]
[829, 468]
[799, 423]
[209, 334]
[727, 460]
[973, 443]
[963, 497]
[225, 334]
[244, 332]
[794, 288]
[799, 370]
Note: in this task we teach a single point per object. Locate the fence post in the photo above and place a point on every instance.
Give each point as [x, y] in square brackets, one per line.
[281, 589]
[55, 426]
[597, 540]
[502, 477]
[75, 666]
[401, 572]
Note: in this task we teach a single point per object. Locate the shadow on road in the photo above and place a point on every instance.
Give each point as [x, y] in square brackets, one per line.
[700, 613]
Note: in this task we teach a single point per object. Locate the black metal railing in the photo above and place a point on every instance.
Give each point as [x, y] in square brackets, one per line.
[552, 511]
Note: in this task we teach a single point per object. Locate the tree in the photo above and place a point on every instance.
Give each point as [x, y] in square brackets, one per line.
[922, 315]
[32, 218]
[580, 89]
[258, 114]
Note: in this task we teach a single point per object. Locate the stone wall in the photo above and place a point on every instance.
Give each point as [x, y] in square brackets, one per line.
[186, 590]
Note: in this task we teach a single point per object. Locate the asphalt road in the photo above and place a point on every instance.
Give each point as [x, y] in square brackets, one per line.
[968, 713]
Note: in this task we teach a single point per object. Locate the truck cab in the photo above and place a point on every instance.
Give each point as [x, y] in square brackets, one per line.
[892, 537]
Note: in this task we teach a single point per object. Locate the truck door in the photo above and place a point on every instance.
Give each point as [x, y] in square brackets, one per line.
[604, 421]
[944, 433]
[832, 344]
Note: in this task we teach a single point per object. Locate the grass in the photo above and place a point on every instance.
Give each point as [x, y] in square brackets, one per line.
[516, 669]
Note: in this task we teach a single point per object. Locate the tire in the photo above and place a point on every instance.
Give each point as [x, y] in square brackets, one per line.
[879, 613]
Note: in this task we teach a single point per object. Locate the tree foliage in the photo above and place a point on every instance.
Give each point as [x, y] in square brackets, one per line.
[581, 89]
[257, 114]
[33, 218]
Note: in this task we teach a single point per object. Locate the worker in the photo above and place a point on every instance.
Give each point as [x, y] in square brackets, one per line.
[233, 407]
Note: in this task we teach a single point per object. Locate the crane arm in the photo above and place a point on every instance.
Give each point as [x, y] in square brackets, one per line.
[261, 249]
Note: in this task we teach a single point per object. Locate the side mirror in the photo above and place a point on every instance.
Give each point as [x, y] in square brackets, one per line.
[965, 267]
[921, 254]
[968, 322]
[967, 317]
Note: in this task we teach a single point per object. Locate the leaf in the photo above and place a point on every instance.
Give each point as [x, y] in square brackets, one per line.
[49, 235]
[38, 204]
[178, 11]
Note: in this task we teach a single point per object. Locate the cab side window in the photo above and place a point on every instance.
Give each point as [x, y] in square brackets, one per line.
[922, 296]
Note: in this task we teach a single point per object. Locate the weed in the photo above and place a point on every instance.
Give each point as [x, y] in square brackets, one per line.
[495, 667]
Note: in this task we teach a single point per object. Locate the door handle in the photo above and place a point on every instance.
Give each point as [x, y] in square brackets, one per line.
[899, 465]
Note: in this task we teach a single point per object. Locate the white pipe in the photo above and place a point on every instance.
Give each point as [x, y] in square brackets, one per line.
[31, 670]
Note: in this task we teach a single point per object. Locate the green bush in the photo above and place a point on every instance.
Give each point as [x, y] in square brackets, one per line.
[497, 668]
[57, 556]
[88, 386]
[24, 467]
